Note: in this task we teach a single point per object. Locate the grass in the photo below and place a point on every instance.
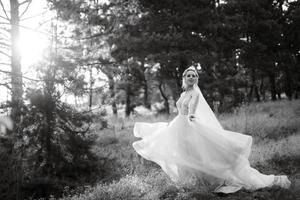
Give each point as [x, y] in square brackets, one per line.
[274, 126]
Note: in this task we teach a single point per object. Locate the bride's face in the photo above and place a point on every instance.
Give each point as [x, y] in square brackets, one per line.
[190, 78]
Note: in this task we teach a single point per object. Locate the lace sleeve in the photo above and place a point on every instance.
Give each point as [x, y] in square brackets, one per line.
[193, 104]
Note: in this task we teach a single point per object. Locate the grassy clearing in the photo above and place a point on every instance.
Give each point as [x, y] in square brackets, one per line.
[275, 127]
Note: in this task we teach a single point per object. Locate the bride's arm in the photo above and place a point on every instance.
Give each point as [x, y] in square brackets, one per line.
[193, 106]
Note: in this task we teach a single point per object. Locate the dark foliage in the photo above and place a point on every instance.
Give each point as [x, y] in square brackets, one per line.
[55, 147]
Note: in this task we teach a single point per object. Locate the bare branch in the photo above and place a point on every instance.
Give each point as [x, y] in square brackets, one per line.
[8, 64]
[4, 37]
[4, 44]
[31, 79]
[48, 34]
[24, 2]
[10, 73]
[4, 18]
[32, 29]
[33, 16]
[6, 72]
[96, 63]
[7, 30]
[44, 22]
[5, 85]
[3, 8]
[3, 53]
[27, 6]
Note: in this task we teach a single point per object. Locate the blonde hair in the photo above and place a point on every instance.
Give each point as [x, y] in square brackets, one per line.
[193, 69]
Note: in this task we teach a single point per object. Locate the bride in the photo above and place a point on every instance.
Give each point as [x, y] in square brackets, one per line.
[194, 146]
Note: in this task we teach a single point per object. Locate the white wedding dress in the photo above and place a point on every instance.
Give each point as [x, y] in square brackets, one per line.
[201, 149]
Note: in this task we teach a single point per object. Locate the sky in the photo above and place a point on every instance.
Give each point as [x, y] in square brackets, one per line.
[33, 30]
[33, 33]
[35, 36]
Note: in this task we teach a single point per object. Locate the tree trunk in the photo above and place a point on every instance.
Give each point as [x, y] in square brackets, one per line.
[262, 89]
[50, 109]
[16, 82]
[16, 76]
[257, 93]
[146, 100]
[273, 86]
[111, 85]
[236, 99]
[296, 85]
[246, 90]
[91, 88]
[288, 83]
[128, 107]
[48, 133]
[254, 88]
[250, 94]
[166, 102]
[147, 104]
[279, 95]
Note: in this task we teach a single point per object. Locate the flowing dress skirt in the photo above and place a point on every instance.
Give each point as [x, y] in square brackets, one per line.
[186, 150]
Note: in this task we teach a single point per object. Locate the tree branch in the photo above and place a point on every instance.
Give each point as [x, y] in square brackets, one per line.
[10, 73]
[3, 8]
[4, 18]
[6, 23]
[7, 30]
[3, 44]
[33, 16]
[24, 2]
[3, 53]
[28, 4]
[6, 72]
[96, 63]
[6, 33]
[5, 85]
[4, 37]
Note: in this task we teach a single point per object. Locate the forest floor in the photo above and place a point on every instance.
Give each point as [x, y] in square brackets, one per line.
[275, 127]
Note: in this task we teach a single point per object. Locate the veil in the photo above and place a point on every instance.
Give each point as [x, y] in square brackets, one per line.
[204, 113]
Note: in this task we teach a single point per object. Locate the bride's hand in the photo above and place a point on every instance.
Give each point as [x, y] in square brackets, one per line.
[192, 118]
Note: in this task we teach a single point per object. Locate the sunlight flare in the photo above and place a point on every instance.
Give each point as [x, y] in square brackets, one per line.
[31, 45]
